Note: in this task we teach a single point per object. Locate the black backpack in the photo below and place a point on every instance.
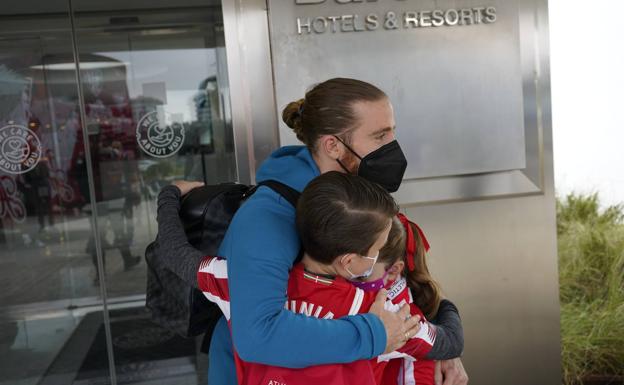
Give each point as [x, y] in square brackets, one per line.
[206, 213]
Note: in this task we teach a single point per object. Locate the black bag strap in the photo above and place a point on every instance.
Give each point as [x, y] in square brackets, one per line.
[287, 192]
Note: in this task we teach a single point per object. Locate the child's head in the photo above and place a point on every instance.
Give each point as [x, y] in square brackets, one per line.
[390, 263]
[405, 255]
[344, 220]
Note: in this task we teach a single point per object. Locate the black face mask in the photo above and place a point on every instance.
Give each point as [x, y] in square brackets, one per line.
[384, 166]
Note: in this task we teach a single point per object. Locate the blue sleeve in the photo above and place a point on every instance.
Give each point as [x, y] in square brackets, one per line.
[261, 246]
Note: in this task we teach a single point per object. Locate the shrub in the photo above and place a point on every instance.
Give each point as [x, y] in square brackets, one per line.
[591, 271]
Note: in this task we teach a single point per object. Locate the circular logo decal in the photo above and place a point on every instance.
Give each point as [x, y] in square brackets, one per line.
[158, 135]
[20, 149]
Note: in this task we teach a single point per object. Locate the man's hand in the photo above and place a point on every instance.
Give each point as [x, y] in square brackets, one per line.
[399, 326]
[185, 186]
[450, 372]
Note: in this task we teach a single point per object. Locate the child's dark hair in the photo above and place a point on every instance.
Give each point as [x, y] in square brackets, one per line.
[425, 290]
[339, 214]
[394, 249]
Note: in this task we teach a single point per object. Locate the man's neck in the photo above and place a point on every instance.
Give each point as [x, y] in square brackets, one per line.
[326, 164]
[316, 267]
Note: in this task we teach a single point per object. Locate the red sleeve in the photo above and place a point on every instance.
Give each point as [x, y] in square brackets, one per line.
[212, 281]
[419, 345]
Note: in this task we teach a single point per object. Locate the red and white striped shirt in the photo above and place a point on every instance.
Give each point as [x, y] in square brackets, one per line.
[322, 297]
[408, 365]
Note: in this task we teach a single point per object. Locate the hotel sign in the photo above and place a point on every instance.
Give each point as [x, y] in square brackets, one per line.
[391, 20]
[452, 70]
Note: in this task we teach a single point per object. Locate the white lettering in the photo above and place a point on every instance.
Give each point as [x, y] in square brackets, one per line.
[396, 289]
[437, 18]
[467, 17]
[478, 13]
[347, 24]
[372, 22]
[319, 27]
[451, 20]
[333, 20]
[490, 15]
[358, 26]
[177, 142]
[410, 19]
[306, 308]
[301, 26]
[425, 19]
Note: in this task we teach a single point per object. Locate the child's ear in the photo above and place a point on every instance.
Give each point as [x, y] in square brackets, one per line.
[394, 272]
[346, 259]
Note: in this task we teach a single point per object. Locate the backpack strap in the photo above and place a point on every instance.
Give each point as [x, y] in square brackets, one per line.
[287, 192]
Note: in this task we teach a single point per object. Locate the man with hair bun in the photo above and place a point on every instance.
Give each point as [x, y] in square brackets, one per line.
[347, 125]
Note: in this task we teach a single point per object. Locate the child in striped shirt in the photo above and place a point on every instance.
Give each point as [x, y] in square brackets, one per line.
[343, 221]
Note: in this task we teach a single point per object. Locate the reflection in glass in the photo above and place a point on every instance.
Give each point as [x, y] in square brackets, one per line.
[157, 109]
[44, 267]
[156, 103]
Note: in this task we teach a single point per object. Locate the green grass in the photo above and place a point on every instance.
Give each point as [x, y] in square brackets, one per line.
[591, 277]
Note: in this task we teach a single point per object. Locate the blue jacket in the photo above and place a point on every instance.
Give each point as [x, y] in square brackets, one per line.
[261, 245]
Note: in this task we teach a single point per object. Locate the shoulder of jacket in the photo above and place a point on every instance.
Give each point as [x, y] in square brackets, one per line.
[266, 198]
[265, 208]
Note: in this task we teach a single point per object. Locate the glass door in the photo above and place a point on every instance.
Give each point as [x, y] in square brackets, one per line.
[156, 109]
[45, 269]
[102, 103]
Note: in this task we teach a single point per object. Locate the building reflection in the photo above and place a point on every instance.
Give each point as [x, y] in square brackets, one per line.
[52, 295]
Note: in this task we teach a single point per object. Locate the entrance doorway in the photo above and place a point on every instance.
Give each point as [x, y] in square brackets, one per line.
[102, 103]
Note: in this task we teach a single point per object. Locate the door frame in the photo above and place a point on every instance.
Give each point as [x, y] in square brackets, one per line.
[252, 89]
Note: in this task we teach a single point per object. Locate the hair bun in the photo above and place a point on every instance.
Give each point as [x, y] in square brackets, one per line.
[292, 115]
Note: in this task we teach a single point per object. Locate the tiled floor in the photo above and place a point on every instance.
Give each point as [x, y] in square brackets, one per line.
[47, 294]
[72, 349]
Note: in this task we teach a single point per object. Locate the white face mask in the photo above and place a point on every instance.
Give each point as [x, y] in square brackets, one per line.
[368, 272]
